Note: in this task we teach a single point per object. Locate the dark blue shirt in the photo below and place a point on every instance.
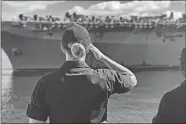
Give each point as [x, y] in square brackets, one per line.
[76, 93]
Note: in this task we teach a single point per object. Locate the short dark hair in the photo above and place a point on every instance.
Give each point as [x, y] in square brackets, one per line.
[79, 37]
[76, 33]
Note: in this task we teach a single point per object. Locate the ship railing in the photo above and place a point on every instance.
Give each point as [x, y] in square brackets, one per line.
[48, 25]
[180, 20]
[98, 22]
[94, 18]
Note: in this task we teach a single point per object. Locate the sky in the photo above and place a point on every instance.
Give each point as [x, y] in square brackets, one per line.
[12, 9]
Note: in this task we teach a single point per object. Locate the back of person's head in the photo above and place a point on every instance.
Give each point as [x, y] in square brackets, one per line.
[76, 41]
[183, 61]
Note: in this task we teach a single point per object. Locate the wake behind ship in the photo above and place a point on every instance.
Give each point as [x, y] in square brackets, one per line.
[34, 43]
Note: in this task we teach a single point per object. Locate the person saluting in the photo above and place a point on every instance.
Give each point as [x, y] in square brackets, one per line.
[76, 93]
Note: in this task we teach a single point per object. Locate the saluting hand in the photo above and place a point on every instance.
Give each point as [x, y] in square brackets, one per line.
[97, 53]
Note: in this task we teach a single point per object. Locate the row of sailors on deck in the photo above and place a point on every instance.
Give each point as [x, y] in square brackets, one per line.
[81, 18]
[73, 18]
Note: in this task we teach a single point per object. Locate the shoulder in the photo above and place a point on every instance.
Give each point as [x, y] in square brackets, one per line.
[110, 73]
[175, 94]
[47, 77]
[177, 91]
[106, 74]
[102, 72]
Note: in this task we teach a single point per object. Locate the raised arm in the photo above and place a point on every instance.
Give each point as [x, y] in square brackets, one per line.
[115, 66]
[112, 64]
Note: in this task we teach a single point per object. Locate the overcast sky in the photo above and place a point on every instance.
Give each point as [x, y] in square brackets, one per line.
[11, 9]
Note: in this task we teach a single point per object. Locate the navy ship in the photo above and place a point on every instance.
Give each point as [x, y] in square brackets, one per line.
[34, 42]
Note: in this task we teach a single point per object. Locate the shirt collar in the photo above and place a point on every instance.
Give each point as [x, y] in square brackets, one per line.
[74, 64]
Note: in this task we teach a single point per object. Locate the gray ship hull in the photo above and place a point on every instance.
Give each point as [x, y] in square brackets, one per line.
[40, 50]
